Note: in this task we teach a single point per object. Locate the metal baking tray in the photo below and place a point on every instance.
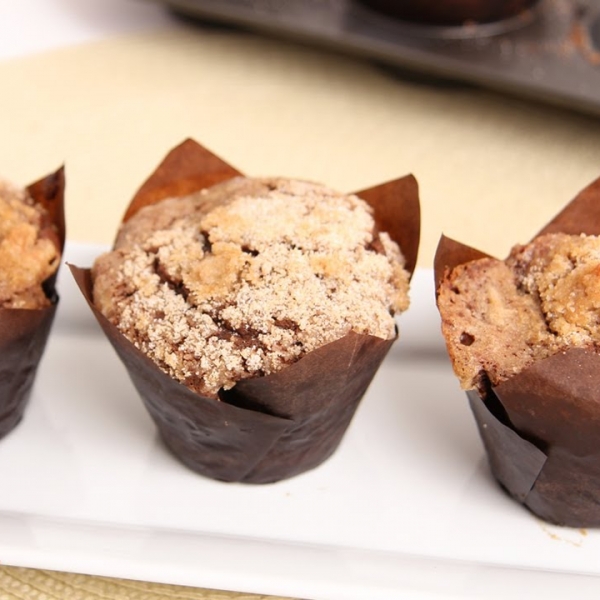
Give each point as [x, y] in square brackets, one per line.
[550, 53]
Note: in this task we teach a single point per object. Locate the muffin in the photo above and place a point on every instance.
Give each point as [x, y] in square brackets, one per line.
[262, 308]
[523, 336]
[32, 231]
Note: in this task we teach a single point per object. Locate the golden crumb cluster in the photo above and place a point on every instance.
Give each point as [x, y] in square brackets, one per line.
[498, 317]
[29, 252]
[248, 276]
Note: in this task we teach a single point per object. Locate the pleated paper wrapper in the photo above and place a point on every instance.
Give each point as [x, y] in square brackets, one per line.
[24, 332]
[273, 427]
[541, 427]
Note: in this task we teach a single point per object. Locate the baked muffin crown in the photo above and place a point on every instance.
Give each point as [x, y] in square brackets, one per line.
[247, 276]
[498, 317]
[29, 249]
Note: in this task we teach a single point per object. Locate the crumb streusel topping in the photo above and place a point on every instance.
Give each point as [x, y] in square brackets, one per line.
[28, 256]
[498, 317]
[248, 276]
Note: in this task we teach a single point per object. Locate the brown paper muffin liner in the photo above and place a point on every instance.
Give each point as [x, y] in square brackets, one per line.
[24, 332]
[273, 427]
[541, 427]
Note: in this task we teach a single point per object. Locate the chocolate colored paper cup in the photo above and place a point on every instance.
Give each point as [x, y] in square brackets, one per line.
[267, 428]
[24, 333]
[541, 427]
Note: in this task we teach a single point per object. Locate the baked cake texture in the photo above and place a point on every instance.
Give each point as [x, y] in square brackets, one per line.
[499, 317]
[243, 278]
[29, 249]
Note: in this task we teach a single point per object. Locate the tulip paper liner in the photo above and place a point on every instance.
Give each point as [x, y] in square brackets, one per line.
[24, 332]
[273, 427]
[541, 427]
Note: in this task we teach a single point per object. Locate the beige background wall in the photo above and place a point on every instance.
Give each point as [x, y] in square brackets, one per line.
[492, 169]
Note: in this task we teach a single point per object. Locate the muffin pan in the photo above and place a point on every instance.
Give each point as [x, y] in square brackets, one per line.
[549, 53]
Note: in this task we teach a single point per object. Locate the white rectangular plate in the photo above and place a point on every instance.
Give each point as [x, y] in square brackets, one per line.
[405, 508]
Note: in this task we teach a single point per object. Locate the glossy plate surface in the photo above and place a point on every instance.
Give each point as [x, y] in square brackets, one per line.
[405, 508]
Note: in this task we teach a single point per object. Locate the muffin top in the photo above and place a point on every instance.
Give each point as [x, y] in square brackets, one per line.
[246, 277]
[498, 317]
[29, 250]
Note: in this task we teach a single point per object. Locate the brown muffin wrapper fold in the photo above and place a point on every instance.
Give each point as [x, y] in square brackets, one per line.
[267, 428]
[541, 427]
[24, 332]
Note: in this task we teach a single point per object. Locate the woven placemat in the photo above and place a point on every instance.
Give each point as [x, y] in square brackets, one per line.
[26, 584]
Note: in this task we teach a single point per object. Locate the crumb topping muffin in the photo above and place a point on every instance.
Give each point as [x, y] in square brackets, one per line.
[248, 276]
[498, 317]
[29, 250]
